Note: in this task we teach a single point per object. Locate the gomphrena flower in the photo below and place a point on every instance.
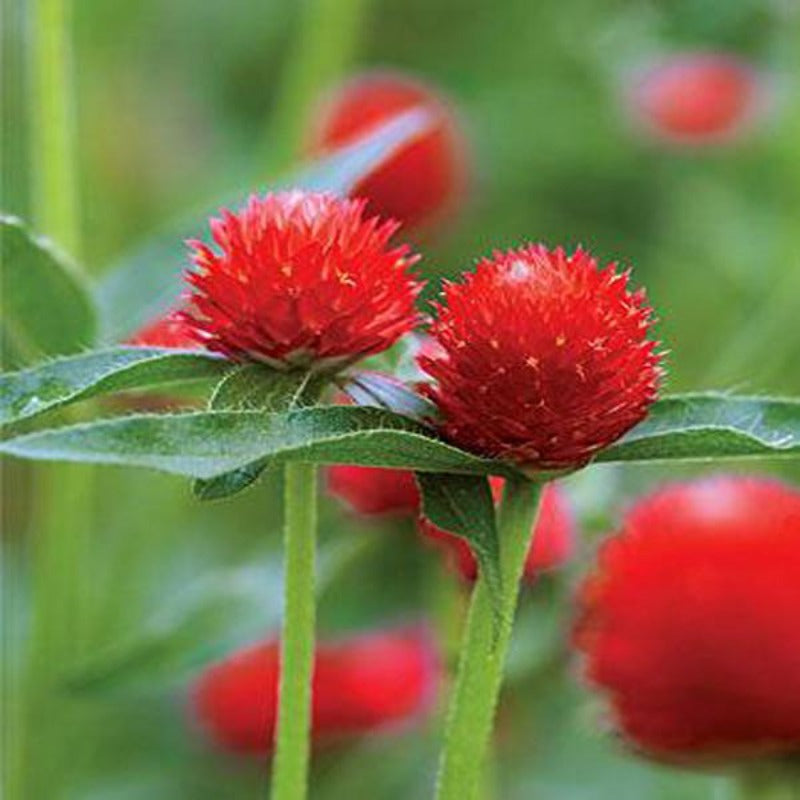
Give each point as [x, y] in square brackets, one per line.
[690, 621]
[360, 685]
[697, 98]
[167, 331]
[372, 491]
[301, 280]
[424, 179]
[543, 357]
[552, 539]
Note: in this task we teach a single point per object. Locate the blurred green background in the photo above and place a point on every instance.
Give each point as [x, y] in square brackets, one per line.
[180, 102]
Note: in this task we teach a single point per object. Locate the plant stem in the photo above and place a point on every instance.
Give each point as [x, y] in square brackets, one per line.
[480, 674]
[290, 768]
[53, 124]
[321, 52]
[62, 517]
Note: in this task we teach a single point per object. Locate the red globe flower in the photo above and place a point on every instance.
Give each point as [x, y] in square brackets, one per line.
[552, 538]
[301, 280]
[426, 177]
[690, 620]
[360, 685]
[168, 331]
[697, 98]
[544, 358]
[373, 491]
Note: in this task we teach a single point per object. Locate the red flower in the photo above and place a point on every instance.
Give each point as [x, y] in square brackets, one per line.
[544, 358]
[301, 280]
[690, 621]
[360, 685]
[371, 490]
[552, 538]
[168, 331]
[424, 179]
[697, 98]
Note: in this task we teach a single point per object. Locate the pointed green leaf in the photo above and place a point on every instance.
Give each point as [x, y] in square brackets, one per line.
[709, 426]
[254, 387]
[47, 307]
[463, 505]
[211, 443]
[63, 381]
[144, 284]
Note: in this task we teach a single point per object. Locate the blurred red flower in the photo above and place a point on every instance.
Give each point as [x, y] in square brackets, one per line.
[697, 98]
[689, 622]
[543, 358]
[167, 331]
[374, 491]
[426, 178]
[552, 539]
[301, 280]
[360, 685]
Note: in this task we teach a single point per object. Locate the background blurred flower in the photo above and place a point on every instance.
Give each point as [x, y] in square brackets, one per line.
[303, 279]
[544, 357]
[689, 621]
[168, 331]
[361, 684]
[373, 491]
[552, 539]
[697, 98]
[427, 178]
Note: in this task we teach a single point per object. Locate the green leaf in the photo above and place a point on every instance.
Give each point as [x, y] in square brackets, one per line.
[211, 443]
[696, 427]
[47, 307]
[463, 505]
[385, 391]
[255, 387]
[63, 381]
[146, 282]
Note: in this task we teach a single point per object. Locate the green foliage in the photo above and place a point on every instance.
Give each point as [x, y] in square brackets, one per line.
[144, 284]
[463, 505]
[712, 426]
[57, 383]
[211, 443]
[47, 308]
[254, 387]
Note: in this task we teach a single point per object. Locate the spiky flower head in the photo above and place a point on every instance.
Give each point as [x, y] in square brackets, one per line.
[301, 280]
[689, 621]
[543, 358]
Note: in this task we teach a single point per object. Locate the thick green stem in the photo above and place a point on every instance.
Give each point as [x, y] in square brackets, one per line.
[483, 653]
[53, 124]
[290, 768]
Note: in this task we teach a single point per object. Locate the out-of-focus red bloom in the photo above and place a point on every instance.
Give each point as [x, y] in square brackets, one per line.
[360, 685]
[168, 331]
[544, 358]
[301, 280]
[697, 98]
[426, 177]
[690, 620]
[552, 539]
[374, 491]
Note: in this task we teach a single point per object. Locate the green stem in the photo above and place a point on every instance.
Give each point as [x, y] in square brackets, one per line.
[480, 674]
[53, 124]
[321, 52]
[290, 768]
